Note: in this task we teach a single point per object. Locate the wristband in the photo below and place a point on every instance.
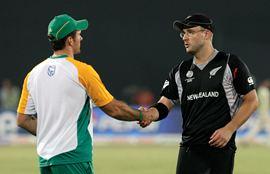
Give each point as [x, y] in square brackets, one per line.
[162, 110]
[140, 116]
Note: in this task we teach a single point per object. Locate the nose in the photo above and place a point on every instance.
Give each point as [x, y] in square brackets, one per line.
[185, 37]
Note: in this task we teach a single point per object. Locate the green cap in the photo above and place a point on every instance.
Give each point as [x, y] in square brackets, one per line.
[64, 24]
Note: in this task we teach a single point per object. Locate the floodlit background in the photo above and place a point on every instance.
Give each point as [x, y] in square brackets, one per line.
[132, 45]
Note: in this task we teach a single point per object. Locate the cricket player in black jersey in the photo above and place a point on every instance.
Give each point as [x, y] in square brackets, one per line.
[216, 94]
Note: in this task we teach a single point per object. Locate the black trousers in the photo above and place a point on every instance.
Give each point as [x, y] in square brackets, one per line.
[205, 160]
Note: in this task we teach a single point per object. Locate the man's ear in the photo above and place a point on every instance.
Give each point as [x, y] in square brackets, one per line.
[209, 34]
[69, 41]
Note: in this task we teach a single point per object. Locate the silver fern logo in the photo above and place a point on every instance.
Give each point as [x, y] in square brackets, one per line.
[214, 71]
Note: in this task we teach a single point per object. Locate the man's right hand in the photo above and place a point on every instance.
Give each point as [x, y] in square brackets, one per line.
[144, 123]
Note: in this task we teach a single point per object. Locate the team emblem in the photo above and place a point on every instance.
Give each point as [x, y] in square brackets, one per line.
[51, 70]
[189, 76]
[214, 71]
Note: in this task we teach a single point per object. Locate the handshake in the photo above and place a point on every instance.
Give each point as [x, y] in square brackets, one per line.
[148, 115]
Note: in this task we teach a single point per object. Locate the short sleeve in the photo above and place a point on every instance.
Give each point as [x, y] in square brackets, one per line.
[242, 79]
[26, 103]
[169, 89]
[90, 79]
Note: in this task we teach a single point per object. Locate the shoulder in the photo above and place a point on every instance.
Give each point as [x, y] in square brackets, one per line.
[41, 64]
[82, 67]
[235, 62]
[186, 62]
[176, 67]
[185, 65]
[234, 59]
[78, 63]
[37, 68]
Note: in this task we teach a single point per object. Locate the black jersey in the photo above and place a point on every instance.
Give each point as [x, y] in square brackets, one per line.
[208, 97]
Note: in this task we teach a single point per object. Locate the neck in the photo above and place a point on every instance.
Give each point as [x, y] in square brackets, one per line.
[204, 54]
[67, 52]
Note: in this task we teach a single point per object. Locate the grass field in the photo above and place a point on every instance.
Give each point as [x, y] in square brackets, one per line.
[132, 159]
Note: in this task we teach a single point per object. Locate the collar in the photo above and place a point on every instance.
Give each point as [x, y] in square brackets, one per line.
[58, 56]
[215, 52]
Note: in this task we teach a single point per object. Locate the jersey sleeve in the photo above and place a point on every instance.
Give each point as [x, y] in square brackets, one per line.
[170, 89]
[26, 103]
[242, 79]
[91, 81]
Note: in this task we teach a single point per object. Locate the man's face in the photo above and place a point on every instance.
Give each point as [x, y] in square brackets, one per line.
[193, 39]
[77, 42]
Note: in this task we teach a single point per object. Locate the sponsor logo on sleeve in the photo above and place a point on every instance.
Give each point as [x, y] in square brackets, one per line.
[250, 81]
[166, 83]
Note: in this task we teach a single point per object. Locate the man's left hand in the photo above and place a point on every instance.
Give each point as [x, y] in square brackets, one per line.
[220, 137]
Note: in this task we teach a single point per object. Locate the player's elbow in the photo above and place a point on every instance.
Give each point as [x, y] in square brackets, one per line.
[251, 99]
[21, 120]
[112, 109]
[256, 103]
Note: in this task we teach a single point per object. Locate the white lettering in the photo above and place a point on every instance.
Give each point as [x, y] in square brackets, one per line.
[212, 94]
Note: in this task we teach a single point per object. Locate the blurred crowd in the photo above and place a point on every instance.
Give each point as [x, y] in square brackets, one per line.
[9, 95]
[262, 123]
[138, 95]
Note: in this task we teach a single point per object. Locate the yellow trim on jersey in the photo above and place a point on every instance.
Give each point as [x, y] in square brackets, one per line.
[24, 97]
[90, 79]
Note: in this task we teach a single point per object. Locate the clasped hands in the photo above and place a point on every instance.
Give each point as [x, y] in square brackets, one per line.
[149, 115]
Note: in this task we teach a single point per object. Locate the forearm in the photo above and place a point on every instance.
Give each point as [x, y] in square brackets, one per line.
[124, 112]
[161, 109]
[127, 113]
[29, 123]
[121, 111]
[242, 115]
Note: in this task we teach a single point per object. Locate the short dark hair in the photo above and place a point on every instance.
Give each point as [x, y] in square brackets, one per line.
[60, 44]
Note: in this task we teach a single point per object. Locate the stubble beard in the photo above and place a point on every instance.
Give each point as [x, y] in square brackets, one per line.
[194, 50]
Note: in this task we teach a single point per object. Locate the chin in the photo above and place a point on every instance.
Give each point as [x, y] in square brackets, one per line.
[78, 52]
[189, 51]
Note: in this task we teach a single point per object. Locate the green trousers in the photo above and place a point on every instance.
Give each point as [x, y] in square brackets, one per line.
[75, 168]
